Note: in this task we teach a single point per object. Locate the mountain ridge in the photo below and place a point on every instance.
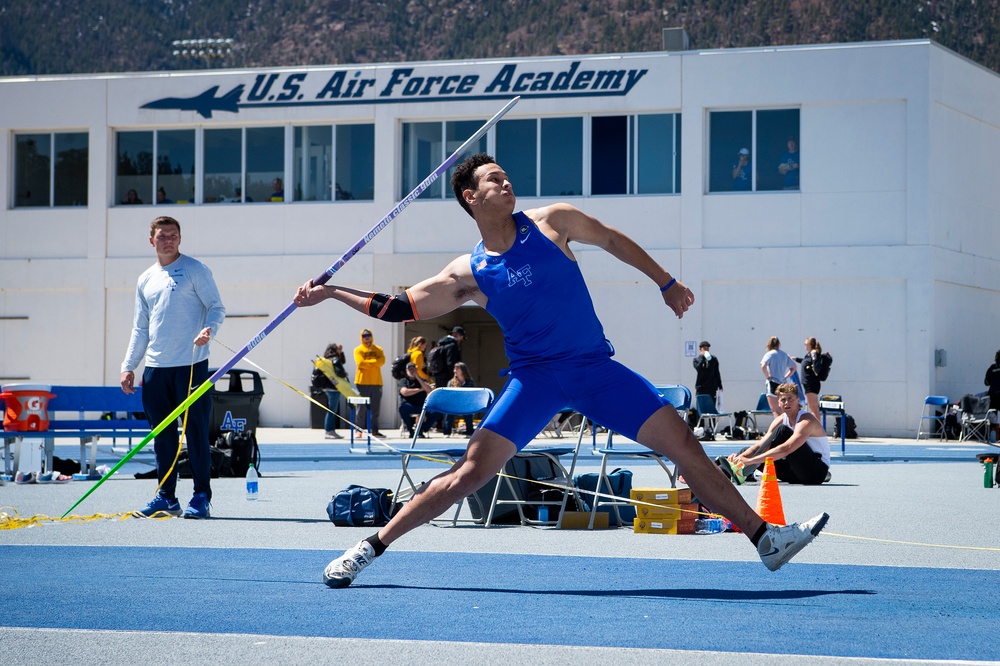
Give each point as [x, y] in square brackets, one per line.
[136, 35]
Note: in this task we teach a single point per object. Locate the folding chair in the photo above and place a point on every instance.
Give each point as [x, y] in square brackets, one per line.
[454, 401]
[519, 489]
[934, 412]
[975, 418]
[762, 409]
[680, 397]
[565, 421]
[676, 394]
[708, 415]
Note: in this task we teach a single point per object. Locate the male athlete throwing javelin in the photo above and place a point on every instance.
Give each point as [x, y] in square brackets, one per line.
[525, 275]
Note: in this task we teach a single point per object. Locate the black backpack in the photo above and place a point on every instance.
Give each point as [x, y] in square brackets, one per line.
[822, 366]
[240, 451]
[437, 361]
[850, 430]
[399, 366]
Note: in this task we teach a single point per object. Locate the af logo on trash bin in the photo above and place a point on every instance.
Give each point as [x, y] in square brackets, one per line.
[236, 425]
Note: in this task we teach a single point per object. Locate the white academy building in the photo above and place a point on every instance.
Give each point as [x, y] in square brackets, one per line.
[886, 248]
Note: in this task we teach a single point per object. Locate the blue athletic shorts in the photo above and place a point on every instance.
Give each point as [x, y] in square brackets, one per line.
[604, 390]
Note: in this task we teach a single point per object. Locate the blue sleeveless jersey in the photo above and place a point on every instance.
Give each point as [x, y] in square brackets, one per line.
[538, 296]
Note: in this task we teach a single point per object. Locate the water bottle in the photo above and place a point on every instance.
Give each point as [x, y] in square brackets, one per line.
[708, 526]
[543, 514]
[252, 484]
[988, 473]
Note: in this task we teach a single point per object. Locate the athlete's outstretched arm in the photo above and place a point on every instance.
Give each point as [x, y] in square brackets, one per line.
[430, 298]
[572, 224]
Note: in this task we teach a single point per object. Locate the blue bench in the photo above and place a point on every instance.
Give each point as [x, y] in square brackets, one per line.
[75, 413]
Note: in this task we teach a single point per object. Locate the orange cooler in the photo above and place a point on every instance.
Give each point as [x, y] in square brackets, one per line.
[27, 407]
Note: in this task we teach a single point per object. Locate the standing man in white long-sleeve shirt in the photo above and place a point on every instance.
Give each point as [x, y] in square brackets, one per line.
[178, 311]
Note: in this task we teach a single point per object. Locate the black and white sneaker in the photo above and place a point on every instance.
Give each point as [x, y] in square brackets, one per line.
[780, 544]
[343, 570]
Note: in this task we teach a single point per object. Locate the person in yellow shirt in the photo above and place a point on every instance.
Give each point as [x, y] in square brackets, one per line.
[369, 359]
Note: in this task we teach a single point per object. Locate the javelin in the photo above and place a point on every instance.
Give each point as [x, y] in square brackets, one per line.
[291, 307]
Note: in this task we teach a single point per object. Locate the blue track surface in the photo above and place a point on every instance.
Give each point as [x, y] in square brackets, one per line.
[854, 611]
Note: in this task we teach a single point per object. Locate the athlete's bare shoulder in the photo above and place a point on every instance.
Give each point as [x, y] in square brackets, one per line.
[556, 221]
[563, 222]
[555, 214]
[460, 268]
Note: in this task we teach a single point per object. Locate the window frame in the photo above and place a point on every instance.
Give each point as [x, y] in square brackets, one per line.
[149, 198]
[53, 168]
[793, 129]
[631, 162]
[636, 152]
[336, 166]
[288, 160]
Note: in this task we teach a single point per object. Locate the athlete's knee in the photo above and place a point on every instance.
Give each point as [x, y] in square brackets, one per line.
[471, 478]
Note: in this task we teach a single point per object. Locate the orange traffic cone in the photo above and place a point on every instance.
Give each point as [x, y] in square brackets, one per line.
[769, 498]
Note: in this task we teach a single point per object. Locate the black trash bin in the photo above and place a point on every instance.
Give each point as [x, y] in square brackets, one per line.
[236, 402]
[316, 413]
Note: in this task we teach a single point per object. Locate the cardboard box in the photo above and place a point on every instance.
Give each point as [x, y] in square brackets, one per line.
[671, 512]
[663, 496]
[647, 526]
[580, 520]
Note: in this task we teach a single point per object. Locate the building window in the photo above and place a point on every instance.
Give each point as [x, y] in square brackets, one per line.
[657, 149]
[354, 172]
[174, 167]
[318, 177]
[628, 155]
[223, 178]
[244, 165]
[51, 169]
[562, 157]
[171, 180]
[134, 168]
[517, 153]
[544, 157]
[265, 160]
[312, 162]
[425, 147]
[754, 151]
[635, 154]
[609, 155]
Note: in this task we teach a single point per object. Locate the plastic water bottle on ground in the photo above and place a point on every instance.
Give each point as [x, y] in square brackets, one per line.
[252, 484]
[709, 526]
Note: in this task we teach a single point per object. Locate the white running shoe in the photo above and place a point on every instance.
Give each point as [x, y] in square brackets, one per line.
[343, 570]
[780, 544]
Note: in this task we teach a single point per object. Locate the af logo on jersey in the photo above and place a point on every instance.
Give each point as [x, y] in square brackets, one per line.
[520, 275]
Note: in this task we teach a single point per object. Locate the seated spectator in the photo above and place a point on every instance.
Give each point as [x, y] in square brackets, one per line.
[796, 440]
[279, 190]
[460, 378]
[413, 391]
[161, 197]
[131, 198]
